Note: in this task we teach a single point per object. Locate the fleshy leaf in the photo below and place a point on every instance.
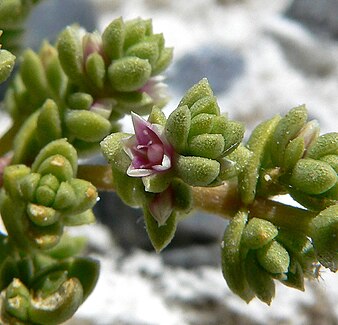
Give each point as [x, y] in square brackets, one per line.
[160, 236]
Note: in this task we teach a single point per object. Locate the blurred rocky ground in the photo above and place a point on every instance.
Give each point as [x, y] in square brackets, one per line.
[262, 58]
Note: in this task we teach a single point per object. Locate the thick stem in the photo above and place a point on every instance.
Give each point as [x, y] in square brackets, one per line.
[224, 201]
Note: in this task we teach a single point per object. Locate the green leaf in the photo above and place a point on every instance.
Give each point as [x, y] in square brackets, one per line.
[177, 128]
[232, 260]
[67, 247]
[326, 144]
[197, 171]
[13, 175]
[293, 152]
[129, 73]
[113, 39]
[41, 215]
[33, 74]
[273, 257]
[80, 101]
[163, 62]
[196, 92]
[48, 123]
[84, 218]
[58, 147]
[233, 134]
[86, 270]
[96, 69]
[86, 196]
[257, 143]
[300, 250]
[69, 46]
[313, 176]
[25, 142]
[135, 31]
[258, 233]
[260, 281]
[324, 233]
[147, 50]
[112, 149]
[7, 61]
[160, 236]
[87, 125]
[295, 278]
[183, 198]
[286, 130]
[201, 123]
[207, 145]
[59, 306]
[65, 197]
[58, 166]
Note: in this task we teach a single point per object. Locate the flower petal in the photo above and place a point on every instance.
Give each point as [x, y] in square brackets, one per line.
[138, 172]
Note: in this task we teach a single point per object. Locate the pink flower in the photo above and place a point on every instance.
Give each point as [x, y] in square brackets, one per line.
[156, 90]
[148, 149]
[91, 42]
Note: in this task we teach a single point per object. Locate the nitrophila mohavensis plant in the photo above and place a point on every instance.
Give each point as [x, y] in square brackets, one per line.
[66, 101]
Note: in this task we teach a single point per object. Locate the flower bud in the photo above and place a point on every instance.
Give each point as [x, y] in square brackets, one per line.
[162, 206]
[160, 235]
[286, 130]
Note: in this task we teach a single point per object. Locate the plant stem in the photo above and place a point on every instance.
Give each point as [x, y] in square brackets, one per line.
[6, 141]
[223, 201]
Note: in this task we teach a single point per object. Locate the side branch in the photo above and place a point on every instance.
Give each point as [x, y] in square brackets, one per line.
[223, 201]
